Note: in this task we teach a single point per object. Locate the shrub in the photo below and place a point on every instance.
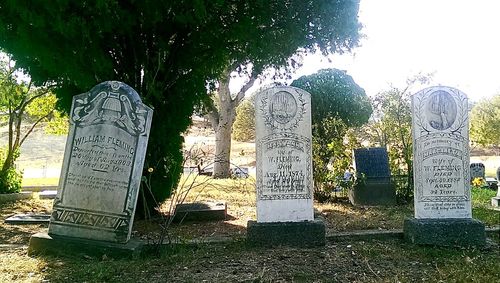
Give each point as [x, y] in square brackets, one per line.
[10, 181]
[244, 125]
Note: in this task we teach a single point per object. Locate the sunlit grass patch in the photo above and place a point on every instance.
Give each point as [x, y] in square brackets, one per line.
[30, 182]
[16, 266]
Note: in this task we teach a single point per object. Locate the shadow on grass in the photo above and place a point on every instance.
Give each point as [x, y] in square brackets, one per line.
[365, 261]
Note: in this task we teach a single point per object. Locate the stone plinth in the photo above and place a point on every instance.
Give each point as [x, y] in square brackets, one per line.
[42, 243]
[373, 193]
[445, 232]
[297, 234]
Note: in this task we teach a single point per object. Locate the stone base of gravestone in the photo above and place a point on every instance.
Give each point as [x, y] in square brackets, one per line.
[373, 193]
[200, 211]
[43, 244]
[296, 234]
[495, 201]
[461, 232]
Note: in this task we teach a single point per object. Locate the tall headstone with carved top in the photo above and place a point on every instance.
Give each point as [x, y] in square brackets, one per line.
[285, 212]
[440, 128]
[103, 164]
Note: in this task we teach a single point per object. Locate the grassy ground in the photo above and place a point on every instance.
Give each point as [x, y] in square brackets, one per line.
[367, 261]
[30, 182]
[390, 260]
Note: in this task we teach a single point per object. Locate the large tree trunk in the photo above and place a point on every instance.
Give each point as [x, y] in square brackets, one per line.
[223, 145]
[222, 118]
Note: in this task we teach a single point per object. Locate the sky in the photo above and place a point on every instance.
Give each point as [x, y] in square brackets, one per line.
[457, 40]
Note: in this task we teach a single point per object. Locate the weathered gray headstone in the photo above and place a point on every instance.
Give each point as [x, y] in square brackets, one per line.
[440, 128]
[373, 185]
[284, 166]
[103, 164]
[476, 171]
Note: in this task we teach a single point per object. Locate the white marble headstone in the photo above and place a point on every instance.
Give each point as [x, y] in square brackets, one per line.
[103, 164]
[440, 128]
[284, 164]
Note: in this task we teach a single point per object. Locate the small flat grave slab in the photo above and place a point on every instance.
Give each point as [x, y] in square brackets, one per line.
[200, 211]
[48, 194]
[28, 219]
[240, 172]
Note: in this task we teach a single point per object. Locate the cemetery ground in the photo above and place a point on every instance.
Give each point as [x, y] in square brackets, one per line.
[221, 254]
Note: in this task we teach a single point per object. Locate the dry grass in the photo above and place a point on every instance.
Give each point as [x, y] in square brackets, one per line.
[16, 266]
[368, 261]
[20, 234]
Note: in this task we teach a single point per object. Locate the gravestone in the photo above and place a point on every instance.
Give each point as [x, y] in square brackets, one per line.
[476, 171]
[102, 166]
[47, 194]
[440, 129]
[30, 218]
[495, 201]
[373, 178]
[200, 211]
[285, 212]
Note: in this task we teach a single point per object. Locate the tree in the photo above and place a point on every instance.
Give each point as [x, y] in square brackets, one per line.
[169, 51]
[19, 102]
[485, 122]
[390, 127]
[222, 115]
[337, 103]
[244, 124]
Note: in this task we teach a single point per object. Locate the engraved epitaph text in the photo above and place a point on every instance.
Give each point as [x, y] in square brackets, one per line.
[109, 128]
[441, 153]
[283, 140]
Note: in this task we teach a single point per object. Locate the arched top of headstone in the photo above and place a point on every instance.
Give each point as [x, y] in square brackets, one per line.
[111, 102]
[440, 109]
[283, 108]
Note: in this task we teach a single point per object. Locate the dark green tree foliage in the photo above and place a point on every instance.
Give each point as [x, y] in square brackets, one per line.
[338, 103]
[166, 50]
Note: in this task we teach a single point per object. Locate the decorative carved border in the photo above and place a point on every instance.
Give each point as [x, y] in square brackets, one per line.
[112, 107]
[268, 119]
[67, 216]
